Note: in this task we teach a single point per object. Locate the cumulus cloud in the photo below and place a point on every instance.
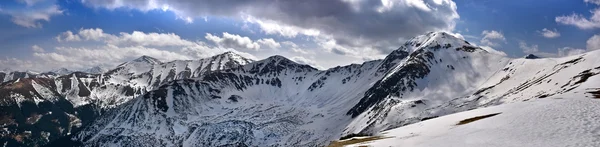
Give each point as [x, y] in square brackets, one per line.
[233, 41]
[67, 36]
[96, 34]
[270, 42]
[109, 55]
[549, 33]
[136, 38]
[16, 64]
[37, 48]
[593, 43]
[354, 25]
[529, 49]
[32, 18]
[490, 38]
[581, 21]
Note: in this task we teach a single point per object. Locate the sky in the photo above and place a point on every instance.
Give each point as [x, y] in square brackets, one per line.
[43, 35]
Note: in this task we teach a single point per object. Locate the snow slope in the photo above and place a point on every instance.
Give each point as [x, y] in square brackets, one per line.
[554, 122]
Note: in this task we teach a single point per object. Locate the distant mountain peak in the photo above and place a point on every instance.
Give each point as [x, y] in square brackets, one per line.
[62, 71]
[96, 70]
[276, 64]
[147, 59]
[278, 58]
[531, 56]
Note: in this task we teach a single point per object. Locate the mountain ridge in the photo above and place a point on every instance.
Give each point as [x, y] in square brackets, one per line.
[230, 100]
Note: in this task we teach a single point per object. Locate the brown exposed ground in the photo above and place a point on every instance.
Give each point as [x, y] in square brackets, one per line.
[469, 120]
[341, 143]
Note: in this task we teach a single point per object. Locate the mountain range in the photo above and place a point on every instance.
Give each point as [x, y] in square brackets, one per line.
[230, 100]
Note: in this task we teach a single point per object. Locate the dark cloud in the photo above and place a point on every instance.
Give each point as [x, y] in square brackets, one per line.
[350, 22]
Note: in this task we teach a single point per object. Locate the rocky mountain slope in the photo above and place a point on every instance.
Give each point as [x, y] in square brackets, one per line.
[228, 100]
[276, 102]
[39, 108]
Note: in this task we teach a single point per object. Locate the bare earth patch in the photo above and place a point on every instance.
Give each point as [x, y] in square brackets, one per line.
[341, 143]
[595, 92]
[469, 120]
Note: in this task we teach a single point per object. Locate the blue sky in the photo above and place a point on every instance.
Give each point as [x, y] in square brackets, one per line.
[319, 33]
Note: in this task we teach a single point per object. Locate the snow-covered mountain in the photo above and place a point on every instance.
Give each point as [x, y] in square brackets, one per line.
[276, 102]
[31, 102]
[554, 122]
[13, 75]
[228, 100]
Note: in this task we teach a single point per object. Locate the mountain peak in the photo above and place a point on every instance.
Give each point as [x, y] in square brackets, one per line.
[147, 59]
[277, 63]
[438, 40]
[278, 58]
[62, 71]
[231, 56]
[531, 56]
[96, 70]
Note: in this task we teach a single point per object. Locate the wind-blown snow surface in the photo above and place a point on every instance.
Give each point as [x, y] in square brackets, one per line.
[276, 102]
[552, 122]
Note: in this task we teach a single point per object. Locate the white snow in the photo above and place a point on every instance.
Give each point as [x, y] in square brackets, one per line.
[313, 111]
[552, 122]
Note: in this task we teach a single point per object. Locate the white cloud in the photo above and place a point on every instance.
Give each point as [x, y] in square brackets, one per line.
[109, 55]
[272, 27]
[233, 41]
[31, 18]
[491, 37]
[529, 49]
[96, 34]
[549, 33]
[270, 42]
[568, 51]
[302, 60]
[37, 48]
[593, 43]
[300, 51]
[136, 38]
[67, 36]
[580, 21]
[150, 39]
[597, 2]
[17, 64]
[290, 44]
[562, 52]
